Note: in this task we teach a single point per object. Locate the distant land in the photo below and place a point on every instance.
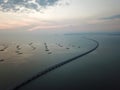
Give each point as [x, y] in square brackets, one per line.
[94, 33]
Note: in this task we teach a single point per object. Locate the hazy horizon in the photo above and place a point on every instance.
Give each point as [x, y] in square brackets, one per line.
[60, 15]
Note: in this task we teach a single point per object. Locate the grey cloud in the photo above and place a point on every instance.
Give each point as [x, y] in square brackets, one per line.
[16, 5]
[1, 1]
[112, 17]
[46, 2]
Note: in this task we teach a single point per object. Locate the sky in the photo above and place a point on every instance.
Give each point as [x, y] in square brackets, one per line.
[60, 15]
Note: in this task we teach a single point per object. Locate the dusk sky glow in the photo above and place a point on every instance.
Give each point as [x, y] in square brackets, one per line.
[78, 15]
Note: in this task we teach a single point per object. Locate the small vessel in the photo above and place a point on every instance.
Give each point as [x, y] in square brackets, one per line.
[1, 60]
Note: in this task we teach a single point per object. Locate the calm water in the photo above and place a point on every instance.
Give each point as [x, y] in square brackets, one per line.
[98, 70]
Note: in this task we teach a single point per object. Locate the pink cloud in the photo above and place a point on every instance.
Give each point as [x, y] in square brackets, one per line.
[13, 24]
[47, 26]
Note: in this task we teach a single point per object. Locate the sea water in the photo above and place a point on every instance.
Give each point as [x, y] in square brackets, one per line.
[21, 61]
[98, 69]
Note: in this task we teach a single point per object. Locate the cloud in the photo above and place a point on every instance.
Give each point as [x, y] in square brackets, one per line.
[112, 17]
[20, 5]
[48, 26]
[46, 2]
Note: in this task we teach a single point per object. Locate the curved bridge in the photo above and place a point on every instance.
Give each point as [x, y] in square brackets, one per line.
[38, 75]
